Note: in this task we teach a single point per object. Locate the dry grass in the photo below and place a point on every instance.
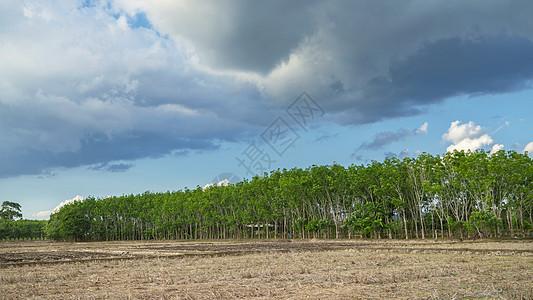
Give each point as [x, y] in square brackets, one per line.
[271, 270]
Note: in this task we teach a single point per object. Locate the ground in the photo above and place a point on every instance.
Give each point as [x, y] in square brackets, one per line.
[274, 269]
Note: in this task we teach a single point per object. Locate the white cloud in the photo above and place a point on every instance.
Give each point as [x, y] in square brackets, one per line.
[496, 148]
[457, 132]
[42, 215]
[422, 129]
[224, 182]
[502, 126]
[77, 198]
[467, 136]
[34, 10]
[529, 148]
[471, 144]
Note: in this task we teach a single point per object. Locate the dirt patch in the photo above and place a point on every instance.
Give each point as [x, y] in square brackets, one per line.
[36, 257]
[24, 253]
[65, 252]
[263, 246]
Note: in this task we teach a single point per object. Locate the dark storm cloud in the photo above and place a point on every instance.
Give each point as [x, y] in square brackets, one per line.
[99, 150]
[242, 35]
[454, 66]
[443, 69]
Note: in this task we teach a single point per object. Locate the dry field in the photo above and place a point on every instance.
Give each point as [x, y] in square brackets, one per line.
[315, 269]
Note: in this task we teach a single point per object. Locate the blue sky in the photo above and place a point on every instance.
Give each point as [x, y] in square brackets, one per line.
[103, 98]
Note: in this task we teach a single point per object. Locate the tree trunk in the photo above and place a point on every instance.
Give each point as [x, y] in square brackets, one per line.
[422, 224]
[405, 226]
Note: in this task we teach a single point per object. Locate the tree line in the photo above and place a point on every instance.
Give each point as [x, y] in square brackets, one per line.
[11, 229]
[457, 195]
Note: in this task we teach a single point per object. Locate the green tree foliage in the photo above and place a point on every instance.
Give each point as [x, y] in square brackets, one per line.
[459, 194]
[366, 220]
[10, 211]
[484, 223]
[22, 229]
[71, 224]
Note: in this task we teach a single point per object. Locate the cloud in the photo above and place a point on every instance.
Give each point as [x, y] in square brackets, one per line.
[496, 148]
[457, 132]
[224, 182]
[529, 148]
[68, 201]
[384, 138]
[468, 136]
[84, 88]
[505, 124]
[236, 35]
[453, 66]
[42, 215]
[97, 148]
[423, 129]
[117, 167]
[402, 154]
[326, 137]
[471, 144]
[346, 52]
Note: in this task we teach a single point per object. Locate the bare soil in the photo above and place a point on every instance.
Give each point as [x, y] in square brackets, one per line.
[273, 269]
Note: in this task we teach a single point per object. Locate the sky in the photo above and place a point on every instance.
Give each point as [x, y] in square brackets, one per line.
[106, 98]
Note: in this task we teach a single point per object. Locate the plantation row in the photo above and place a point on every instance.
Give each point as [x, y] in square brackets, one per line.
[22, 229]
[460, 194]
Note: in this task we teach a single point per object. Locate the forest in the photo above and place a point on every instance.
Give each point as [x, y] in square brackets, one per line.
[457, 195]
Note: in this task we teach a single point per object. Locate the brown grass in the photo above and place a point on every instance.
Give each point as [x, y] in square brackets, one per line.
[268, 270]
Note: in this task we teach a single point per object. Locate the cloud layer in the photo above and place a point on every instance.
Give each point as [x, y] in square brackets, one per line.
[103, 83]
[83, 87]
